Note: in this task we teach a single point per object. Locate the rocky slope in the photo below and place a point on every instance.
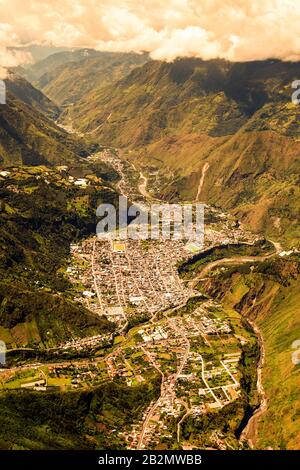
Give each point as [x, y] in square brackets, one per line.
[68, 77]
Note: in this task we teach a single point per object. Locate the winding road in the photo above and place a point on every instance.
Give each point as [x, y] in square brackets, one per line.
[232, 261]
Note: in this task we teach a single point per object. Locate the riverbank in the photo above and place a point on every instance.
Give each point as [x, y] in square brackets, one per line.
[249, 432]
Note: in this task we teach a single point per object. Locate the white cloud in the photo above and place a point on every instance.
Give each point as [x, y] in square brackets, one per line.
[236, 30]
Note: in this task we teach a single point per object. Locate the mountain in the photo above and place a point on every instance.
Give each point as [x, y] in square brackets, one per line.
[28, 135]
[22, 90]
[39, 52]
[41, 214]
[67, 77]
[268, 294]
[48, 63]
[218, 132]
[77, 419]
[236, 122]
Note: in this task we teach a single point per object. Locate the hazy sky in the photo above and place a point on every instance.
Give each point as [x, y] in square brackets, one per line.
[232, 29]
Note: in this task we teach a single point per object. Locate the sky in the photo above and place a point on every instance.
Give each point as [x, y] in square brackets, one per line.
[236, 30]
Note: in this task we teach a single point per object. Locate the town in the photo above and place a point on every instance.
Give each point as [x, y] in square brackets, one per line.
[163, 328]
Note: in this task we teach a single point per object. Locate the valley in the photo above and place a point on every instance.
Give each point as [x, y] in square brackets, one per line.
[164, 331]
[149, 344]
[183, 117]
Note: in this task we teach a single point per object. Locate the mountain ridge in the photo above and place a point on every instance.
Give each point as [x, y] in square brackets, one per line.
[237, 118]
[28, 133]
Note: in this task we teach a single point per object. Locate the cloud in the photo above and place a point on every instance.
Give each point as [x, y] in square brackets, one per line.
[8, 57]
[12, 58]
[236, 30]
